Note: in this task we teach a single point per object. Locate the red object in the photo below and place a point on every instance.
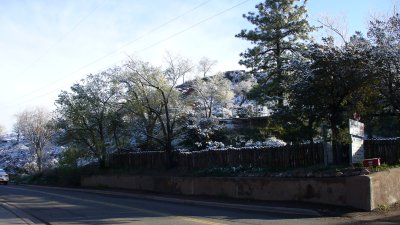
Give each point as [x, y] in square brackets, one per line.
[372, 162]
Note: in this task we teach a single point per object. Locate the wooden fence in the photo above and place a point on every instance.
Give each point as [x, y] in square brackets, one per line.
[291, 156]
[388, 150]
[146, 160]
[279, 157]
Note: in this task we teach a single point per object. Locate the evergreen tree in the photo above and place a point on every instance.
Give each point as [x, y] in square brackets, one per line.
[333, 84]
[280, 33]
[385, 36]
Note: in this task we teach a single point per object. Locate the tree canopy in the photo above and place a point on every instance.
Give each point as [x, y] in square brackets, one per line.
[281, 30]
[36, 127]
[89, 114]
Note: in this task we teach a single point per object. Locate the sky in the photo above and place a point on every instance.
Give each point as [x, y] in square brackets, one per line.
[46, 46]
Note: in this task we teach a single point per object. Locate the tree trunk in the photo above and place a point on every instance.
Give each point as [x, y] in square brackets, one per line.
[335, 136]
[102, 163]
[279, 74]
[168, 154]
[39, 161]
[310, 130]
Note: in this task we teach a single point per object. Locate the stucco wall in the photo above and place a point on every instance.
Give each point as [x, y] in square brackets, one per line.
[385, 187]
[363, 192]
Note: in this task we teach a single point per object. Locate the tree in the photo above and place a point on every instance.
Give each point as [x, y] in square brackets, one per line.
[177, 66]
[90, 116]
[335, 27]
[2, 130]
[70, 156]
[205, 66]
[168, 107]
[385, 36]
[141, 103]
[301, 115]
[280, 33]
[35, 126]
[242, 88]
[212, 91]
[334, 83]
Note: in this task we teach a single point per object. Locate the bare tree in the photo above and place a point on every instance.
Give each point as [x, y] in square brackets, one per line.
[177, 67]
[242, 88]
[2, 130]
[213, 91]
[34, 125]
[205, 66]
[335, 26]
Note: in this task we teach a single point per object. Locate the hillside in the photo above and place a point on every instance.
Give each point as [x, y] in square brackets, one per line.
[17, 157]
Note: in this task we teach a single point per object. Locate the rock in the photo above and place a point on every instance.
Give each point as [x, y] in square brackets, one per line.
[339, 174]
[365, 171]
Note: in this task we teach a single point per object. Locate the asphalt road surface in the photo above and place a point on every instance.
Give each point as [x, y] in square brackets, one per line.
[47, 205]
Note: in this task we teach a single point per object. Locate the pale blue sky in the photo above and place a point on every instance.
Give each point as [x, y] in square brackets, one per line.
[47, 45]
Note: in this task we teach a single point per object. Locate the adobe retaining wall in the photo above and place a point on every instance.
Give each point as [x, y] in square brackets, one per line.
[364, 192]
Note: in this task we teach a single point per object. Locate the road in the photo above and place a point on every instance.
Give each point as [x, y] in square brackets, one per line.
[47, 205]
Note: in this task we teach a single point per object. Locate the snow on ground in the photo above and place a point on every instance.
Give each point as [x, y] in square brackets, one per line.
[271, 142]
[17, 157]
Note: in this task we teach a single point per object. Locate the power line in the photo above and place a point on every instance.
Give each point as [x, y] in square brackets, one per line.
[192, 26]
[116, 50]
[46, 51]
[148, 47]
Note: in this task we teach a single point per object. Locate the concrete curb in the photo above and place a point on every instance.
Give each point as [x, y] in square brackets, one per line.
[259, 208]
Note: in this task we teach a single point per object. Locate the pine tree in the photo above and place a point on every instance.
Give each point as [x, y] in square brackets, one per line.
[280, 33]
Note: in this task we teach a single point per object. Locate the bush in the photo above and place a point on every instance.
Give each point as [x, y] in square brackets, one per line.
[198, 135]
[69, 158]
[62, 176]
[231, 171]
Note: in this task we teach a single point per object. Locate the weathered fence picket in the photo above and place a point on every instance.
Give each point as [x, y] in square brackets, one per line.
[388, 150]
[277, 157]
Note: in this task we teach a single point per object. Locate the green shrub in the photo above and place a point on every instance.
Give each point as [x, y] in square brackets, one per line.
[62, 176]
[69, 158]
